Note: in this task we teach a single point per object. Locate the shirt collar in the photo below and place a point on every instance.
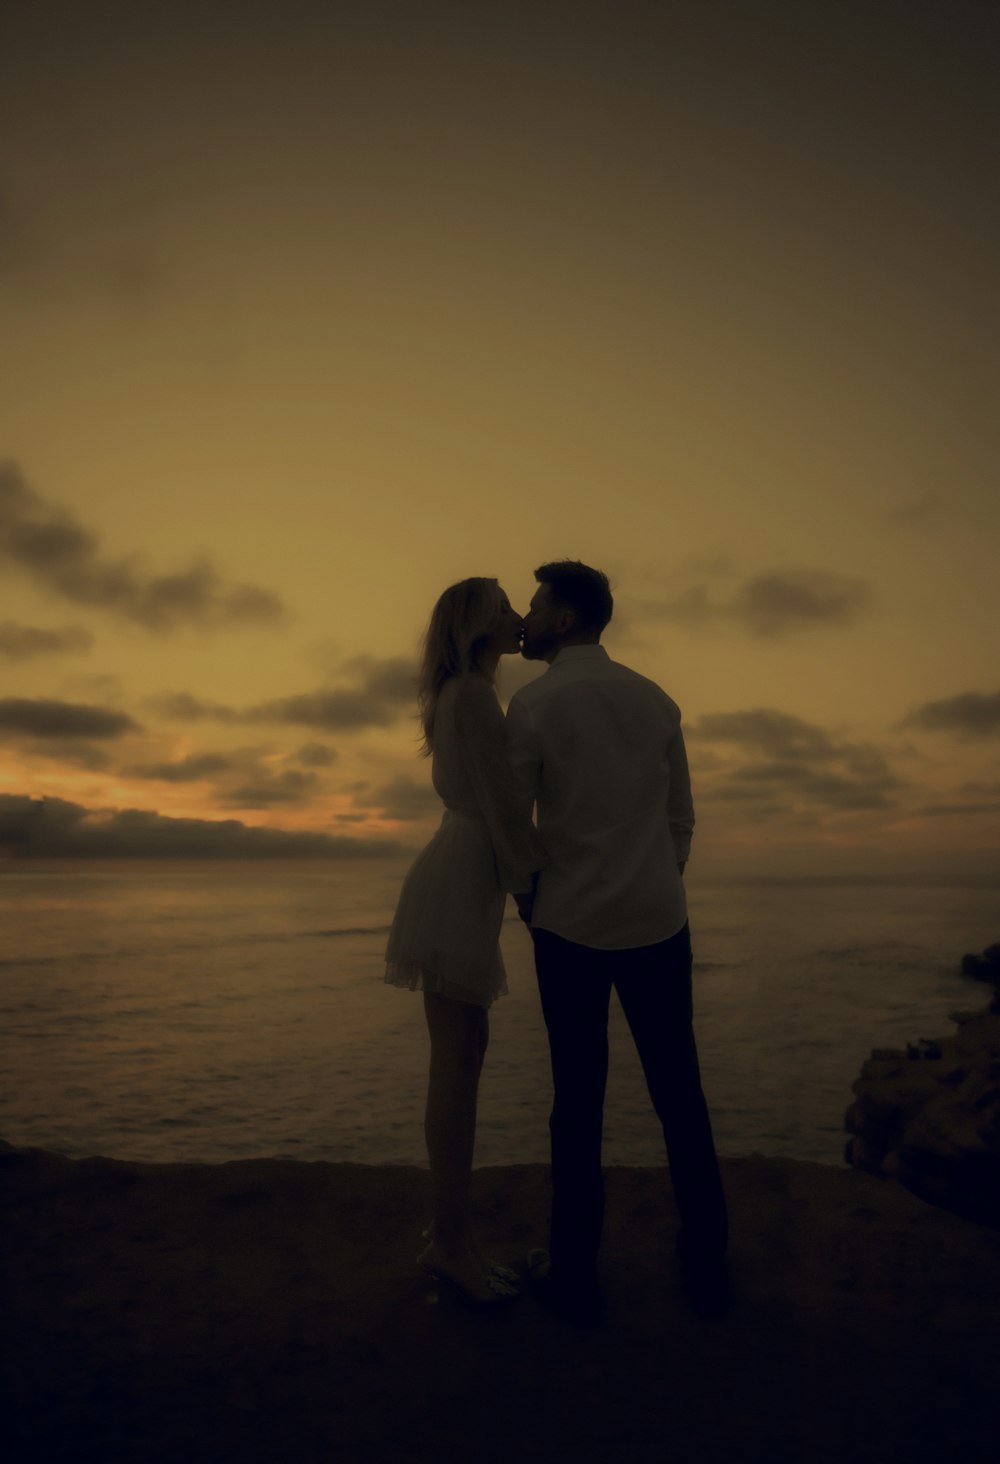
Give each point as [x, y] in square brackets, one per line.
[579, 653]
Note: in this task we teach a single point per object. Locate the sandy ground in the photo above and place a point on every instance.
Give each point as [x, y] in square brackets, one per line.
[271, 1310]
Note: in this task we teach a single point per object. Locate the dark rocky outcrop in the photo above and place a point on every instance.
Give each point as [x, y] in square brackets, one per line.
[985, 967]
[929, 1115]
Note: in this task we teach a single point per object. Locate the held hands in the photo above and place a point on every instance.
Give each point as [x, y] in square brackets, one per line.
[526, 900]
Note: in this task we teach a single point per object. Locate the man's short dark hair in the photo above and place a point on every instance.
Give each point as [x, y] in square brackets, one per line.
[581, 589]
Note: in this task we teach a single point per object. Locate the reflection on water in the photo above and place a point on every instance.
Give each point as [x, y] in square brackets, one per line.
[170, 1011]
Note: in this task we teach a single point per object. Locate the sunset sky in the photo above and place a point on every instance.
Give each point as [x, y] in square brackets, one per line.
[311, 309]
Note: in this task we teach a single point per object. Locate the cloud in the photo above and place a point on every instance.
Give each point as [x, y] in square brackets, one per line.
[290, 786]
[384, 689]
[54, 828]
[248, 780]
[26, 642]
[957, 810]
[100, 684]
[393, 677]
[770, 605]
[316, 755]
[972, 714]
[59, 719]
[77, 754]
[799, 762]
[715, 565]
[382, 692]
[181, 706]
[773, 733]
[336, 710]
[62, 556]
[190, 769]
[832, 789]
[774, 603]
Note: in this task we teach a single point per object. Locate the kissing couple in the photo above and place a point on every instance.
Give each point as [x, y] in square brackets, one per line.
[596, 752]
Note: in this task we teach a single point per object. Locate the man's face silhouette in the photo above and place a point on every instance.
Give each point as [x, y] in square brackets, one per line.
[546, 626]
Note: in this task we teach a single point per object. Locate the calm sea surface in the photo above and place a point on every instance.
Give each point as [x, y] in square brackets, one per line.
[181, 1011]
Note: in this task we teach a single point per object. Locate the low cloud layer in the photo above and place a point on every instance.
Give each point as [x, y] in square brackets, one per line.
[54, 828]
[60, 555]
[379, 694]
[768, 731]
[29, 642]
[192, 769]
[246, 777]
[316, 755]
[181, 706]
[41, 717]
[958, 810]
[797, 762]
[972, 714]
[383, 689]
[770, 605]
[289, 785]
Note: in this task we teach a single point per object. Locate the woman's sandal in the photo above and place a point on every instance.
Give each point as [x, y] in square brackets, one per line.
[501, 1289]
[502, 1273]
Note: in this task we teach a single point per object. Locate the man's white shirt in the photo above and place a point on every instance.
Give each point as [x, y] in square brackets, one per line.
[598, 750]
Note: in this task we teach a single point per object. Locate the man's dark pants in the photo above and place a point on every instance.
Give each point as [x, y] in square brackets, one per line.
[654, 987]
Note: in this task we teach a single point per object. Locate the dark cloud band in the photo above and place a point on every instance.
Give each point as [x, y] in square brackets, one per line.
[382, 692]
[55, 719]
[54, 828]
[27, 642]
[52, 548]
[799, 762]
[770, 605]
[972, 714]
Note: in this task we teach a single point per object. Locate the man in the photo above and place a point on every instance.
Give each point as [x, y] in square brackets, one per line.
[598, 749]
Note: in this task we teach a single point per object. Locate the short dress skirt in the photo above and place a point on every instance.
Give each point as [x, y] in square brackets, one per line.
[446, 930]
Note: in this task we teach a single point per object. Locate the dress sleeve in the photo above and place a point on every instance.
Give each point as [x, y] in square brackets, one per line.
[480, 727]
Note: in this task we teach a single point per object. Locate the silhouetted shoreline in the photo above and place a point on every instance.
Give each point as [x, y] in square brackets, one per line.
[270, 1309]
[927, 1114]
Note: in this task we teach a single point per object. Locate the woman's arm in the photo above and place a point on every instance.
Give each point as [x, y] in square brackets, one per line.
[480, 728]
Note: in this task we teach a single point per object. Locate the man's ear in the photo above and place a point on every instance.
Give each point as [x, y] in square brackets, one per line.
[566, 621]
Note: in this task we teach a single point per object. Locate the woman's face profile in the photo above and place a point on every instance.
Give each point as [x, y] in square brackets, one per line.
[507, 636]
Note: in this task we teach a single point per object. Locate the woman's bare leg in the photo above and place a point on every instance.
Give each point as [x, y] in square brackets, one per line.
[459, 1034]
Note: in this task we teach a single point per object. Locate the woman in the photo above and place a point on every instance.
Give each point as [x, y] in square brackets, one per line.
[444, 938]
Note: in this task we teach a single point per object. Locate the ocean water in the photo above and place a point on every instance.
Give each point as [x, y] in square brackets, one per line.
[177, 1011]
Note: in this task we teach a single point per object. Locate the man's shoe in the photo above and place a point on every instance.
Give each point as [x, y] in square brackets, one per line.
[707, 1285]
[574, 1296]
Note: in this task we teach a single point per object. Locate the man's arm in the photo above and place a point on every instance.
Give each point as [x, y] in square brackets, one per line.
[526, 765]
[680, 804]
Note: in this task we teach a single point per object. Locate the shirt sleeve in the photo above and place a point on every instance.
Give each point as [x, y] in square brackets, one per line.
[479, 724]
[680, 805]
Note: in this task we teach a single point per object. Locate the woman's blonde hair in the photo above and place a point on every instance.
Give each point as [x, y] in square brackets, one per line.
[463, 618]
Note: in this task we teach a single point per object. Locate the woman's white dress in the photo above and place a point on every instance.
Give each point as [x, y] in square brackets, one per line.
[446, 929]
